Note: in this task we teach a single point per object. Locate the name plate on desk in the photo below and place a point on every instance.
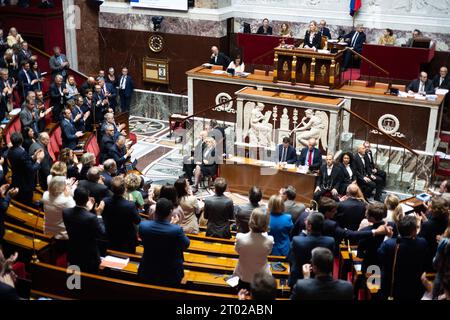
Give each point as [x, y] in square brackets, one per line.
[155, 70]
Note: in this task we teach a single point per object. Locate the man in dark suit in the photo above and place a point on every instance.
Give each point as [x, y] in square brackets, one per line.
[368, 248]
[286, 152]
[109, 92]
[24, 168]
[352, 211]
[363, 172]
[219, 210]
[126, 88]
[310, 156]
[164, 244]
[322, 286]
[96, 189]
[6, 92]
[101, 105]
[109, 172]
[25, 82]
[107, 142]
[58, 63]
[121, 218]
[355, 39]
[409, 253]
[303, 244]
[377, 175]
[42, 143]
[422, 85]
[24, 52]
[330, 178]
[265, 29]
[120, 154]
[442, 80]
[69, 133]
[79, 117]
[219, 58]
[244, 211]
[88, 84]
[58, 97]
[324, 31]
[292, 207]
[85, 229]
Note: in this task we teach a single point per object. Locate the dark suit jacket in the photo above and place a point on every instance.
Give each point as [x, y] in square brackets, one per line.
[409, 267]
[112, 98]
[300, 252]
[350, 213]
[429, 230]
[317, 40]
[79, 125]
[218, 211]
[243, 213]
[414, 86]
[360, 169]
[37, 85]
[445, 84]
[121, 217]
[46, 163]
[84, 230]
[346, 179]
[261, 30]
[325, 32]
[107, 179]
[359, 41]
[4, 204]
[316, 159]
[23, 169]
[105, 145]
[119, 157]
[332, 181]
[24, 83]
[68, 130]
[84, 86]
[96, 190]
[222, 60]
[7, 293]
[322, 288]
[162, 262]
[129, 86]
[291, 155]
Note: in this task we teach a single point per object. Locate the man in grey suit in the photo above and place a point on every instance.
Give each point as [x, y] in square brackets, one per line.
[44, 170]
[59, 64]
[244, 211]
[26, 115]
[219, 210]
[322, 286]
[288, 195]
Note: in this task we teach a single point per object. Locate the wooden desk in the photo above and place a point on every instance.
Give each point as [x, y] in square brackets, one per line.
[247, 173]
[307, 66]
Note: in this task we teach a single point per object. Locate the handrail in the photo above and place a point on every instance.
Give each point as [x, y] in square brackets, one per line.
[261, 56]
[206, 109]
[45, 54]
[383, 133]
[368, 61]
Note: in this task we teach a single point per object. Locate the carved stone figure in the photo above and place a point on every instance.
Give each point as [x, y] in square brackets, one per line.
[256, 125]
[313, 125]
[284, 120]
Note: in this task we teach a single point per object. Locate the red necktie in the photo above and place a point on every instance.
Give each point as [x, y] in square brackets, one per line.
[310, 157]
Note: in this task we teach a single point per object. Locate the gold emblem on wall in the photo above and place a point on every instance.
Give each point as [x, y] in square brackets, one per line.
[156, 43]
[285, 67]
[323, 71]
[304, 68]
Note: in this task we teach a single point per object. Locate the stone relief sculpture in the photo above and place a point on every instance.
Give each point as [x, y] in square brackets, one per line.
[313, 125]
[284, 120]
[256, 124]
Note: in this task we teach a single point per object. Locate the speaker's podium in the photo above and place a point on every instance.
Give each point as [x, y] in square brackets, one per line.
[306, 66]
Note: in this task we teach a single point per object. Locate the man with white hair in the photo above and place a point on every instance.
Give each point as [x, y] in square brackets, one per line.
[42, 143]
[58, 97]
[355, 39]
[310, 155]
[442, 80]
[218, 58]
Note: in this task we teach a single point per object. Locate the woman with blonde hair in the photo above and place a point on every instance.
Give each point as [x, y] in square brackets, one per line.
[190, 206]
[132, 183]
[280, 226]
[253, 248]
[394, 209]
[57, 198]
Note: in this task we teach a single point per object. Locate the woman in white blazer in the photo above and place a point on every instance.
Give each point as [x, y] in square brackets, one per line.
[253, 248]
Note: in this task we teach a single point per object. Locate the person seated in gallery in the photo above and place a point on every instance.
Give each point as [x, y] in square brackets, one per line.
[265, 29]
[286, 152]
[380, 175]
[310, 156]
[218, 58]
[285, 31]
[207, 167]
[355, 39]
[387, 38]
[237, 64]
[329, 181]
[421, 86]
[324, 30]
[415, 34]
[313, 39]
[363, 172]
[347, 172]
[442, 80]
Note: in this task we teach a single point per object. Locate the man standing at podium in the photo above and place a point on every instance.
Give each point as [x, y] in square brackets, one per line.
[355, 39]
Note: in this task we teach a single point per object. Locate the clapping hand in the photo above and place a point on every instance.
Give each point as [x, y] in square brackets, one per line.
[306, 269]
[79, 134]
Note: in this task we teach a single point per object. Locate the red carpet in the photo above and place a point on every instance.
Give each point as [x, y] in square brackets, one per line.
[351, 74]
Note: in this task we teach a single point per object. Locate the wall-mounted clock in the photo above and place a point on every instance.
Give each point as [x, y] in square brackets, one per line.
[156, 43]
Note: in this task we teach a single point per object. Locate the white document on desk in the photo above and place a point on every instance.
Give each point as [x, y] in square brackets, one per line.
[302, 169]
[219, 72]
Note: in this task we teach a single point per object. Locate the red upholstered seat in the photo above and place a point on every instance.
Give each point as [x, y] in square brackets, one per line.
[51, 152]
[92, 147]
[54, 146]
[14, 126]
[57, 134]
[440, 170]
